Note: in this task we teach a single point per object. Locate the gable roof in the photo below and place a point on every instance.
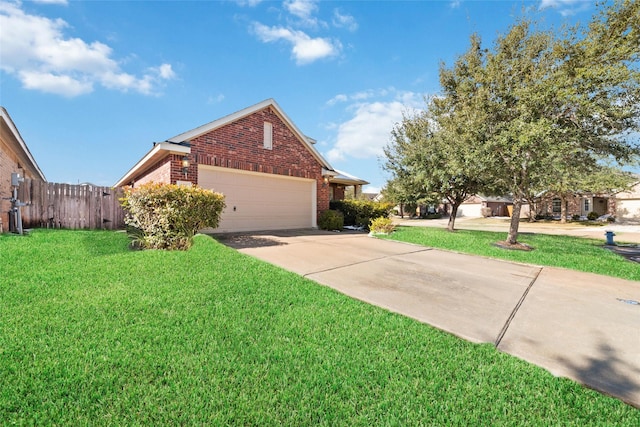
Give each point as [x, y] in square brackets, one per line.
[17, 143]
[180, 144]
[201, 130]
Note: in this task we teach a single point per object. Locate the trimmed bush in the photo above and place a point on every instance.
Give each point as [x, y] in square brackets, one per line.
[592, 216]
[163, 216]
[383, 225]
[331, 220]
[361, 212]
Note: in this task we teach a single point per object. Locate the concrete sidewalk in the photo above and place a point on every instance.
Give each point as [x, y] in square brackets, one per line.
[582, 326]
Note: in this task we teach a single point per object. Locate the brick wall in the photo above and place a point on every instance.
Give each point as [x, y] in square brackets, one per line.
[9, 164]
[160, 172]
[239, 145]
[338, 192]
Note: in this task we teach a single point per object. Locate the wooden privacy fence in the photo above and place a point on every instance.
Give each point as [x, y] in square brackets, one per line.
[51, 205]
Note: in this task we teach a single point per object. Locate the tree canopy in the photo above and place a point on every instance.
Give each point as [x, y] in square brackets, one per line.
[537, 111]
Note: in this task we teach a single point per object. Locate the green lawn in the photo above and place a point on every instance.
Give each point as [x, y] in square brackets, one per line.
[94, 334]
[576, 253]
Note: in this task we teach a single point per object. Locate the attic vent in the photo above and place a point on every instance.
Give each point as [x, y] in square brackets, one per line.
[268, 135]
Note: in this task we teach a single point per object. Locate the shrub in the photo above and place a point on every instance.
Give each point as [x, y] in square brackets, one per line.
[592, 216]
[382, 225]
[361, 212]
[331, 220]
[162, 216]
[575, 217]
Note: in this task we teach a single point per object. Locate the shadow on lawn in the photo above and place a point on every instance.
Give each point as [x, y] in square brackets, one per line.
[608, 373]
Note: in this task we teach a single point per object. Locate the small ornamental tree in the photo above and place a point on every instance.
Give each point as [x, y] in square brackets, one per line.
[162, 216]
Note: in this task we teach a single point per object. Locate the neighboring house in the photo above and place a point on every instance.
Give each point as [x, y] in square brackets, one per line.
[578, 204]
[479, 205]
[372, 197]
[271, 174]
[627, 204]
[15, 157]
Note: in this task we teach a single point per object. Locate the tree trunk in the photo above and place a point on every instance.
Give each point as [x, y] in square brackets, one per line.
[532, 211]
[452, 216]
[563, 209]
[512, 238]
[402, 210]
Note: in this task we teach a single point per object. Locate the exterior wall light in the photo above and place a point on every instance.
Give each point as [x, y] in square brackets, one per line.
[185, 165]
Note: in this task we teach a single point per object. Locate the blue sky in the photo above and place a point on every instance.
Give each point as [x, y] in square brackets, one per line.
[91, 85]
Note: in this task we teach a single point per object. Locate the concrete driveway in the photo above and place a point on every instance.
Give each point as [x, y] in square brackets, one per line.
[578, 325]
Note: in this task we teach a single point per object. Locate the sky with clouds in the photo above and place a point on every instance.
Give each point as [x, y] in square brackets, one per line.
[91, 85]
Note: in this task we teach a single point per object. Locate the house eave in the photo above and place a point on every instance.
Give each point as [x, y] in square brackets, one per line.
[33, 166]
[158, 152]
[208, 127]
[343, 178]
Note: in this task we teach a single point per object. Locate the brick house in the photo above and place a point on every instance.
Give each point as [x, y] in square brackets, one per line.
[269, 171]
[577, 204]
[15, 157]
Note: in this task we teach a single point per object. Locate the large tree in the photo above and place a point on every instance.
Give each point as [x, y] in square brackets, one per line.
[553, 103]
[433, 161]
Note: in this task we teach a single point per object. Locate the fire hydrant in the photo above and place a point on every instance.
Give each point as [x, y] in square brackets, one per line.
[609, 235]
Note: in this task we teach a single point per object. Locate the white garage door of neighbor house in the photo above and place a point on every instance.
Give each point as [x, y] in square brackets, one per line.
[628, 209]
[259, 201]
[470, 210]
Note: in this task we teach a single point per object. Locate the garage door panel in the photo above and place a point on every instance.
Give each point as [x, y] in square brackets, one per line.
[628, 209]
[261, 201]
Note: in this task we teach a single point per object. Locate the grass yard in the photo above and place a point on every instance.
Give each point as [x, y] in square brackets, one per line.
[575, 253]
[94, 334]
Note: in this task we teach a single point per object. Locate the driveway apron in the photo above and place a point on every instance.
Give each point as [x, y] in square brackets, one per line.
[582, 326]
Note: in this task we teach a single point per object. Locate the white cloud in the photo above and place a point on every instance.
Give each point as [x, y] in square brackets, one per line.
[566, 7]
[366, 133]
[215, 99]
[338, 98]
[344, 21]
[303, 9]
[165, 72]
[250, 3]
[62, 2]
[36, 51]
[454, 4]
[361, 96]
[56, 84]
[304, 48]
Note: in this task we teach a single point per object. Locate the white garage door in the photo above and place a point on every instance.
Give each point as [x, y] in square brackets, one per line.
[260, 201]
[628, 210]
[470, 210]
